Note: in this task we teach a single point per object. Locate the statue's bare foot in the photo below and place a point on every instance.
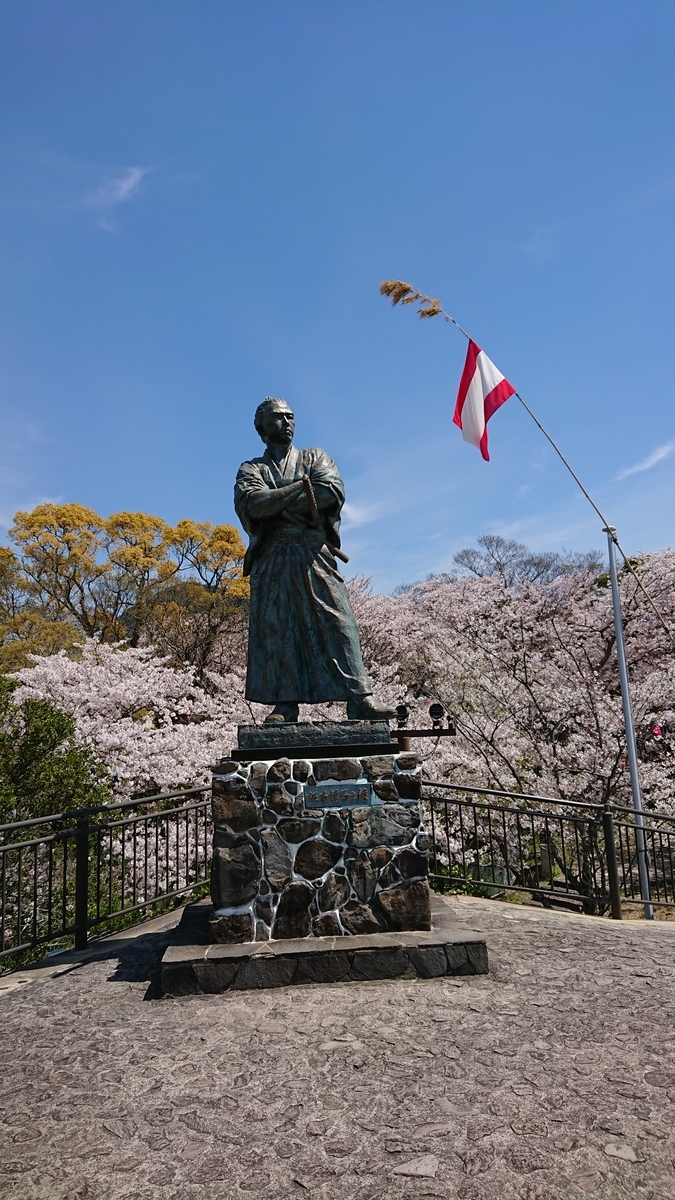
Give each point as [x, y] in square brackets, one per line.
[367, 708]
[282, 713]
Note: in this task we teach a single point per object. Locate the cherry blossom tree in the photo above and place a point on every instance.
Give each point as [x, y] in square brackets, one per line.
[152, 725]
[531, 678]
[528, 672]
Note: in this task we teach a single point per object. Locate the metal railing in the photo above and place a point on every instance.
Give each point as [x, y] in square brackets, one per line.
[67, 874]
[580, 855]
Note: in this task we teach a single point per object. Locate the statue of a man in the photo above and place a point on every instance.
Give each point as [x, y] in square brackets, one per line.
[303, 641]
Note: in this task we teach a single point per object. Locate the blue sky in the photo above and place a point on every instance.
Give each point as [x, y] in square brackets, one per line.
[198, 203]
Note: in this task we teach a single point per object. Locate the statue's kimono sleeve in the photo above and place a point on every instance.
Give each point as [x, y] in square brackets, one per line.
[325, 475]
[249, 481]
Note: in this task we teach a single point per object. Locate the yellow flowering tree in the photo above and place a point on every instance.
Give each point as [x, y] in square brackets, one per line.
[128, 577]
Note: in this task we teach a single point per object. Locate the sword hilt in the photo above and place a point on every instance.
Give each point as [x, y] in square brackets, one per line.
[316, 519]
[311, 500]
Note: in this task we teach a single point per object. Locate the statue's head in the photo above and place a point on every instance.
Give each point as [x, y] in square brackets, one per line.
[274, 421]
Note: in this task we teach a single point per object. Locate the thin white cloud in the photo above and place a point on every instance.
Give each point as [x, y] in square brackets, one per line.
[652, 459]
[360, 514]
[542, 244]
[118, 189]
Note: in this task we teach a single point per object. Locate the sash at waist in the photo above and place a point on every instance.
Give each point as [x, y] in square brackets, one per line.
[284, 533]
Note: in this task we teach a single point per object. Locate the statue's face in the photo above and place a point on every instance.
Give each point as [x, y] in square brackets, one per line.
[279, 427]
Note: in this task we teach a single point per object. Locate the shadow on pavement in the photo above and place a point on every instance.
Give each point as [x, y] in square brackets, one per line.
[140, 961]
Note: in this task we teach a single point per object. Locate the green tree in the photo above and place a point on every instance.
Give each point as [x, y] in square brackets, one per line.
[42, 770]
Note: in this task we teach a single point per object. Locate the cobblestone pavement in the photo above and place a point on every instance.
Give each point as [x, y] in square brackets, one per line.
[549, 1079]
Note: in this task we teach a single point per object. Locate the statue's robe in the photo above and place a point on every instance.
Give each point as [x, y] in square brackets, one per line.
[303, 641]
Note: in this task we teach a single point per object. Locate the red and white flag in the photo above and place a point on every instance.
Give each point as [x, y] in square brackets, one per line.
[482, 390]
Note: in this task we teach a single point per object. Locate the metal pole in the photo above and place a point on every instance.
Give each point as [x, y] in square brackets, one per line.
[630, 729]
[612, 866]
[82, 882]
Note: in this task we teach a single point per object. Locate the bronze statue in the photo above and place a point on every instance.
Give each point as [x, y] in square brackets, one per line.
[303, 640]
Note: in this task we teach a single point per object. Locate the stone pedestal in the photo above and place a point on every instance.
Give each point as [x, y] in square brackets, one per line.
[192, 966]
[318, 847]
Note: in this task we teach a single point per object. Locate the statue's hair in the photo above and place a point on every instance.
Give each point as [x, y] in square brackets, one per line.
[269, 404]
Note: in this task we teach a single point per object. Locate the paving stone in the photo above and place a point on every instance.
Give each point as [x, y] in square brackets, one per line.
[257, 778]
[334, 828]
[327, 926]
[265, 973]
[278, 801]
[292, 917]
[279, 771]
[478, 957]
[429, 961]
[409, 787]
[336, 768]
[235, 875]
[298, 830]
[235, 928]
[234, 809]
[378, 766]
[216, 975]
[359, 918]
[106, 1072]
[407, 905]
[179, 979]
[333, 892]
[380, 964]
[419, 1168]
[458, 963]
[323, 968]
[278, 863]
[316, 857]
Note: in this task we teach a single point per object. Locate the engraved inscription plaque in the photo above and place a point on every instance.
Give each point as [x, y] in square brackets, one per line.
[339, 795]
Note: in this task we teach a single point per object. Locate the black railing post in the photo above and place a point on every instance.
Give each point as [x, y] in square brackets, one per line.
[82, 882]
[612, 867]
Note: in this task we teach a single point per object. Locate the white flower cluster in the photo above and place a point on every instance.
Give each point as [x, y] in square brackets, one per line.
[151, 725]
[531, 677]
[529, 673]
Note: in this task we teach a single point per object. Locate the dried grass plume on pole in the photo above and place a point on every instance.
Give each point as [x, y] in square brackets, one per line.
[405, 293]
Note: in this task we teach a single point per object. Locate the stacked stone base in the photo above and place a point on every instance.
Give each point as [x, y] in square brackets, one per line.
[284, 870]
[191, 966]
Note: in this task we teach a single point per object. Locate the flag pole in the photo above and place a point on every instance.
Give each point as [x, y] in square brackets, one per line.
[404, 292]
[630, 728]
[631, 745]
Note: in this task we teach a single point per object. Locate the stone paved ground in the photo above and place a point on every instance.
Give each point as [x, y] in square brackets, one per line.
[550, 1079]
